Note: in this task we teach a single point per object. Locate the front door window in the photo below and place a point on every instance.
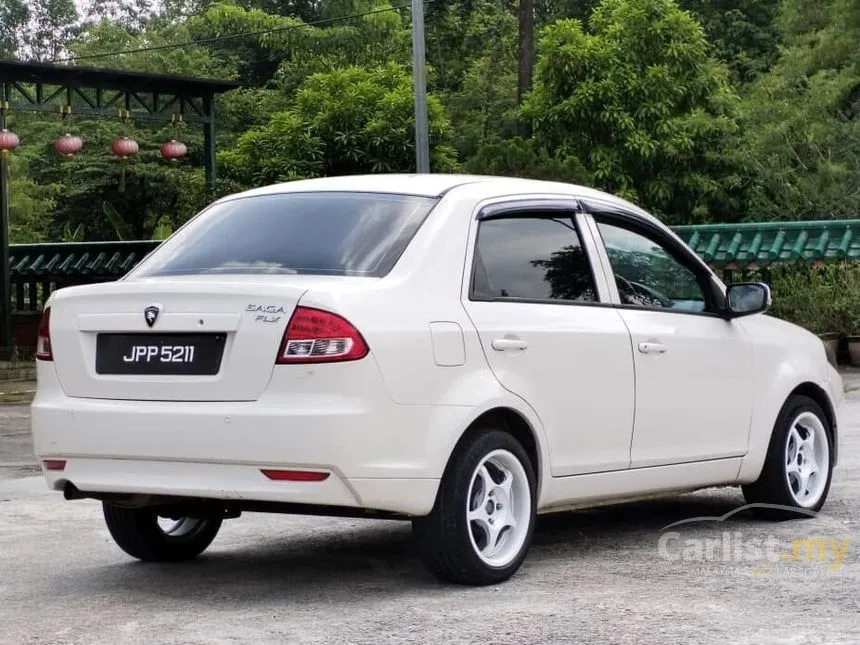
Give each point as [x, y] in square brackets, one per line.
[647, 275]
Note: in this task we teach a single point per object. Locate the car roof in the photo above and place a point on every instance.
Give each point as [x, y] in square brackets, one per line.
[422, 185]
[436, 185]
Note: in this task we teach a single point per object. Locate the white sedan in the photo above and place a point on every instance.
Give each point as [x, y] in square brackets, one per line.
[462, 352]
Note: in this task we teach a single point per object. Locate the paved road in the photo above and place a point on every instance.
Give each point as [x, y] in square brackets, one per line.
[592, 577]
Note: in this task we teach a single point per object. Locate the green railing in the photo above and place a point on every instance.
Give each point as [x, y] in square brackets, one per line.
[38, 269]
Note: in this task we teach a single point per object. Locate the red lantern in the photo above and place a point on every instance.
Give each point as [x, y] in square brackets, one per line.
[8, 142]
[68, 145]
[124, 148]
[173, 150]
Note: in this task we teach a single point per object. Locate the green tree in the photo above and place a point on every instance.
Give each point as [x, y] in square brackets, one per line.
[801, 135]
[288, 50]
[29, 203]
[14, 17]
[51, 26]
[642, 105]
[479, 88]
[743, 33]
[105, 36]
[547, 11]
[145, 191]
[131, 15]
[525, 55]
[519, 157]
[344, 122]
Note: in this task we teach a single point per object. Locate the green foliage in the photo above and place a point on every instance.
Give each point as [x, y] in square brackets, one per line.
[821, 299]
[13, 20]
[160, 231]
[344, 122]
[295, 51]
[638, 97]
[50, 26]
[743, 33]
[246, 108]
[476, 74]
[547, 11]
[131, 15]
[28, 203]
[801, 121]
[106, 36]
[642, 105]
[526, 158]
[152, 190]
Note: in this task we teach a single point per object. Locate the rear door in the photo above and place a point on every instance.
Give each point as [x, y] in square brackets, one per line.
[693, 368]
[536, 304]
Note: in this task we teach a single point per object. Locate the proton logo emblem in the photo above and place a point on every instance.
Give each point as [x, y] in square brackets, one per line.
[150, 314]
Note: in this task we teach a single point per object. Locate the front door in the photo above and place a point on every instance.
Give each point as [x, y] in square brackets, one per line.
[693, 367]
[533, 299]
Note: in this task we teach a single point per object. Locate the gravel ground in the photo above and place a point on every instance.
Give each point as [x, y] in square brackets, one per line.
[591, 577]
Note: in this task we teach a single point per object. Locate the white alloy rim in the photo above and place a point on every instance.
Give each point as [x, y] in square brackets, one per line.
[498, 508]
[180, 527]
[807, 459]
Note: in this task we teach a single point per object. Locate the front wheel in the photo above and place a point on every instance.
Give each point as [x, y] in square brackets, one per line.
[145, 535]
[799, 464]
[481, 526]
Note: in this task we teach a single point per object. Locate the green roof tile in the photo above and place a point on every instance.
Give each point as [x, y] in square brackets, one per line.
[723, 246]
[750, 245]
[58, 261]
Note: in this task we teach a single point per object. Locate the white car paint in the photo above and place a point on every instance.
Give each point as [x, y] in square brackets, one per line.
[609, 422]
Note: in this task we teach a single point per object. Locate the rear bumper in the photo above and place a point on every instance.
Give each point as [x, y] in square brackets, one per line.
[381, 456]
[240, 483]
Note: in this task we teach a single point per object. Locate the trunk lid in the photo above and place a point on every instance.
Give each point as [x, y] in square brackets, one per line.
[243, 318]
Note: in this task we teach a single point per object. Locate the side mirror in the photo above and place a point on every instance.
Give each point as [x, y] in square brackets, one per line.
[747, 298]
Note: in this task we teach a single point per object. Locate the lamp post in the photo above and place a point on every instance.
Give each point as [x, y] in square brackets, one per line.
[419, 77]
[8, 142]
[5, 269]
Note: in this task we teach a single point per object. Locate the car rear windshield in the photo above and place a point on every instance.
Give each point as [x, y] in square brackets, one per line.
[323, 233]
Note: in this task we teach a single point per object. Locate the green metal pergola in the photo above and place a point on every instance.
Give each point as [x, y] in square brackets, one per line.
[97, 92]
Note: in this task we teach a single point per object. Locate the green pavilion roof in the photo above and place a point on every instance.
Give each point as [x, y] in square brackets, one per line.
[723, 246]
[109, 260]
[751, 245]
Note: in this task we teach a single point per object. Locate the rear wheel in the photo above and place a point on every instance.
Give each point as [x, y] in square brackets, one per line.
[799, 463]
[145, 535]
[481, 526]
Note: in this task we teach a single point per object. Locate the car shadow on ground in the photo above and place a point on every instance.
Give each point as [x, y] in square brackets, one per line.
[380, 557]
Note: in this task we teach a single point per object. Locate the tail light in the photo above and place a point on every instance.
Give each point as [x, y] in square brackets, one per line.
[43, 340]
[317, 336]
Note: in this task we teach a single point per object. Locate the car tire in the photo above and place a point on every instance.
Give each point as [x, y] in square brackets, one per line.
[137, 531]
[798, 467]
[482, 523]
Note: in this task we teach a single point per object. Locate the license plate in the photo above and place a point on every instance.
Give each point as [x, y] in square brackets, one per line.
[183, 354]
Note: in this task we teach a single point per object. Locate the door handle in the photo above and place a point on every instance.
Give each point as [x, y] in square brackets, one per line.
[652, 347]
[509, 344]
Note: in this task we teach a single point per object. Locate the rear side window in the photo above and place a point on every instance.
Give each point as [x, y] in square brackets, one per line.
[531, 258]
[354, 234]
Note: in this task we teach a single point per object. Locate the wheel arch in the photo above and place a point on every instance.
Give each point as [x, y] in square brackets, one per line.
[817, 394]
[764, 418]
[515, 423]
